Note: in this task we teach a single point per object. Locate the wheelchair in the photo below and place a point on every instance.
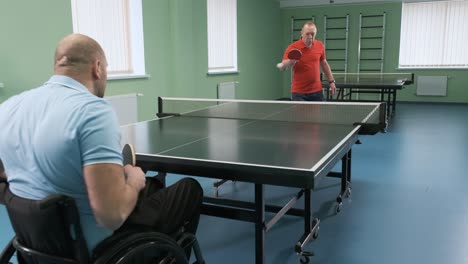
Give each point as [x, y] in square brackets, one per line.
[49, 231]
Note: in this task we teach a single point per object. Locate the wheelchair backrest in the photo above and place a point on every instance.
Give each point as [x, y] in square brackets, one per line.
[50, 225]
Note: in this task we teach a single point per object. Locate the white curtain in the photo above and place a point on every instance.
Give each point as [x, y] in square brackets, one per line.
[222, 36]
[434, 35]
[107, 21]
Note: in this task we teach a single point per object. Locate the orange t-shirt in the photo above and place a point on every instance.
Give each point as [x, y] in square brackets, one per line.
[306, 72]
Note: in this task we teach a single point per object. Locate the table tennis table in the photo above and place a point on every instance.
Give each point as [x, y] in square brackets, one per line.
[283, 143]
[350, 86]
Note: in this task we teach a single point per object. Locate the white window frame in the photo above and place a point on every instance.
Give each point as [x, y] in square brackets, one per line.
[222, 36]
[434, 35]
[118, 30]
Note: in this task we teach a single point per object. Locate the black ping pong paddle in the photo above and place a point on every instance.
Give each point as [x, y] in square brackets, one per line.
[128, 155]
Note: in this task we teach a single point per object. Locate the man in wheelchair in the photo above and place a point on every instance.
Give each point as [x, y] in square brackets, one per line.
[63, 138]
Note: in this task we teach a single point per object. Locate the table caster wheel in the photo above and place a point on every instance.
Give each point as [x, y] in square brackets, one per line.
[348, 192]
[304, 259]
[315, 235]
[305, 256]
[339, 199]
[338, 208]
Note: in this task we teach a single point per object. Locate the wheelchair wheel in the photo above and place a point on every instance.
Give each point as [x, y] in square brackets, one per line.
[151, 247]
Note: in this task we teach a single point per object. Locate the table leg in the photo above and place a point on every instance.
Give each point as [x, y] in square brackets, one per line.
[311, 229]
[259, 224]
[345, 191]
[389, 103]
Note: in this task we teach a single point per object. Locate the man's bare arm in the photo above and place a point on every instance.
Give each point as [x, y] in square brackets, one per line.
[327, 71]
[286, 64]
[111, 196]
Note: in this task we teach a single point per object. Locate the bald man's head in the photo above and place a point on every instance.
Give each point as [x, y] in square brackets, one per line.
[75, 51]
[82, 58]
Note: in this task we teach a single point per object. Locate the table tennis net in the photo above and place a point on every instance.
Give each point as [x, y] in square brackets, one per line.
[373, 77]
[345, 113]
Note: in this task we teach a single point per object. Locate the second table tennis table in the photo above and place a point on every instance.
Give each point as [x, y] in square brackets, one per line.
[283, 143]
[351, 86]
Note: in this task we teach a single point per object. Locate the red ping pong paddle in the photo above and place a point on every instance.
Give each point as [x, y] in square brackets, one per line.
[128, 155]
[294, 54]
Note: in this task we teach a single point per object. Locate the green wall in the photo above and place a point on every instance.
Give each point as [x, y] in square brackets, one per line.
[175, 49]
[29, 31]
[458, 79]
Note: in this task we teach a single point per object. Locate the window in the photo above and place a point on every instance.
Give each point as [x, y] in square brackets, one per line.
[222, 36]
[118, 26]
[434, 35]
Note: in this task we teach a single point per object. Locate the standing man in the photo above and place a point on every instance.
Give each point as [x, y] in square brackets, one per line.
[64, 138]
[306, 83]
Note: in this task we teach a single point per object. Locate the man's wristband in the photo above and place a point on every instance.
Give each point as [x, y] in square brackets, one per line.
[332, 81]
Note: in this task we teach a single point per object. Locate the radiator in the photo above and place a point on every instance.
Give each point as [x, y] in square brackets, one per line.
[126, 107]
[227, 90]
[431, 86]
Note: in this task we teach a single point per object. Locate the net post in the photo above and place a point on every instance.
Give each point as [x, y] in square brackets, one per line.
[160, 105]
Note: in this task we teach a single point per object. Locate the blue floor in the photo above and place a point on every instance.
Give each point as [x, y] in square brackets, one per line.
[408, 202]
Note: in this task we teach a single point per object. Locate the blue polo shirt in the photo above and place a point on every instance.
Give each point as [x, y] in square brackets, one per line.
[48, 134]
